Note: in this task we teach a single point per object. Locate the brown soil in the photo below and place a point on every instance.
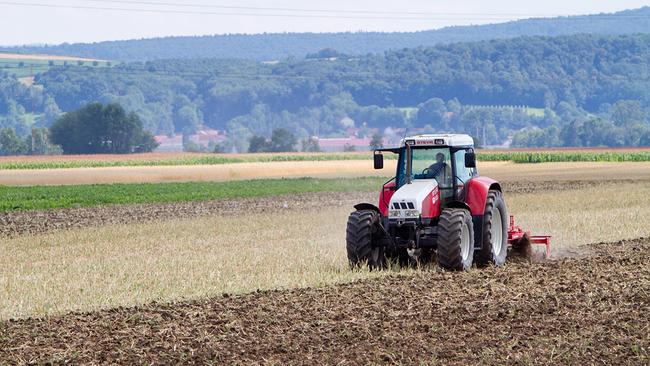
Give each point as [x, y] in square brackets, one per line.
[592, 310]
[37, 222]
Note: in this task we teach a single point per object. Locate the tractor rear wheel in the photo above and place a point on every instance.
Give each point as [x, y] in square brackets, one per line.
[455, 240]
[361, 250]
[495, 232]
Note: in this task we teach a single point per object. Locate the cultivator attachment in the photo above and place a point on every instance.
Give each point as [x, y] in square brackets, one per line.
[522, 240]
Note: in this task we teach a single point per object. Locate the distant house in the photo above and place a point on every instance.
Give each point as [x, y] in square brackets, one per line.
[206, 137]
[169, 143]
[202, 138]
[340, 144]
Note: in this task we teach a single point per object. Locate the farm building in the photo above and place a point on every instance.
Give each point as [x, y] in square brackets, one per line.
[341, 144]
[202, 138]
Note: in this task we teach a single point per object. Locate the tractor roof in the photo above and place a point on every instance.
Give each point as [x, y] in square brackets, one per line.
[440, 139]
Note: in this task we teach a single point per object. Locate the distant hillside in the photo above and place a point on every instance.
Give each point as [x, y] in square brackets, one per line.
[280, 46]
[26, 65]
[579, 90]
[485, 88]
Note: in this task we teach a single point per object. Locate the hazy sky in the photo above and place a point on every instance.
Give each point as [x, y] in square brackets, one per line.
[91, 20]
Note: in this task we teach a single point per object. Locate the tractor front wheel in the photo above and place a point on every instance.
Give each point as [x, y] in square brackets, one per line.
[361, 250]
[455, 240]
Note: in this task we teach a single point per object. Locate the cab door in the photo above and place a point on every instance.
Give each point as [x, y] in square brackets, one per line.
[462, 174]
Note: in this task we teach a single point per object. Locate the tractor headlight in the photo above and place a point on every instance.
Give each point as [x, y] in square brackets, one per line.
[412, 213]
[404, 213]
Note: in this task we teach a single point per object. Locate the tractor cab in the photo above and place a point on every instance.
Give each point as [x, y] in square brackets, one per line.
[449, 160]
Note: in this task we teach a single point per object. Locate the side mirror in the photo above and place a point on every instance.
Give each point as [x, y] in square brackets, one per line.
[379, 161]
[470, 160]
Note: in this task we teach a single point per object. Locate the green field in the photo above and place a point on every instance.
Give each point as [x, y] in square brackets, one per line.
[61, 163]
[560, 157]
[514, 156]
[53, 197]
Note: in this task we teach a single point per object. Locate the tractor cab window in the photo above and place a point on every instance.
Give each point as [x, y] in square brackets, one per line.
[463, 174]
[428, 163]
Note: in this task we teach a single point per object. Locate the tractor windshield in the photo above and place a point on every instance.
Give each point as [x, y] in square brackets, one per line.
[426, 163]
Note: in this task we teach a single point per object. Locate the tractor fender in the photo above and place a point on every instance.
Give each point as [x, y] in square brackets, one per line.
[387, 192]
[475, 199]
[367, 206]
[477, 191]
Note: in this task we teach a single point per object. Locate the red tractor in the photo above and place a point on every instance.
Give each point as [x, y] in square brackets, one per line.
[436, 206]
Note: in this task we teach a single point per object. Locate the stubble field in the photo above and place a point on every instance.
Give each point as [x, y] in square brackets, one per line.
[584, 305]
[502, 170]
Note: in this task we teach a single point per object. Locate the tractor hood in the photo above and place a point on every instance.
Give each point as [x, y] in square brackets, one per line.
[415, 199]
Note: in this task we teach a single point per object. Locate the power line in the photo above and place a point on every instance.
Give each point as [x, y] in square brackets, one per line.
[286, 15]
[308, 10]
[311, 13]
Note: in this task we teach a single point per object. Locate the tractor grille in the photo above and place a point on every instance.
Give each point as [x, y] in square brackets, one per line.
[405, 210]
[403, 205]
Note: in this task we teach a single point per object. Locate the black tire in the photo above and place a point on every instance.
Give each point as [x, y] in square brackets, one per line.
[455, 240]
[359, 240]
[495, 247]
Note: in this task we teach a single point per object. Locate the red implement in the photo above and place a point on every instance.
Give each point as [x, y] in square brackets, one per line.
[516, 234]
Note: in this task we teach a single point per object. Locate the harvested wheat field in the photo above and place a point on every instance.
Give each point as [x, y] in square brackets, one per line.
[187, 173]
[591, 310]
[503, 171]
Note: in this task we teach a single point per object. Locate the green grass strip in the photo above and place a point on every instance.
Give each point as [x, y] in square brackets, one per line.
[56, 197]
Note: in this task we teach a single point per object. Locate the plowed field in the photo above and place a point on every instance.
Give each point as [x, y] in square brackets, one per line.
[589, 310]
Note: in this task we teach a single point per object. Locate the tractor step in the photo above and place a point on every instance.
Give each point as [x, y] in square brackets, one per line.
[516, 234]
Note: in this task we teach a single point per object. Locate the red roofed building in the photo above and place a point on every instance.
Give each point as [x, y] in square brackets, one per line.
[167, 143]
[202, 138]
[340, 144]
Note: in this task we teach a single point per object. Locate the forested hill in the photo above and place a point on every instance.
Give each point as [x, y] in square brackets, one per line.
[264, 47]
[491, 89]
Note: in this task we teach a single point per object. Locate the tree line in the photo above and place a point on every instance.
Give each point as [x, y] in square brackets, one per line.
[93, 129]
[465, 87]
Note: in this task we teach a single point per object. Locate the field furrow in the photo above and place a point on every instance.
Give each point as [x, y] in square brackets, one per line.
[590, 310]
